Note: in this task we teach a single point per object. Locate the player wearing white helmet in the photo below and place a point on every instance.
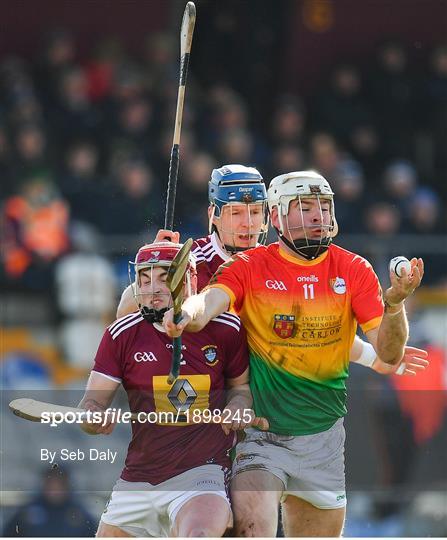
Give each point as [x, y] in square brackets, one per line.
[300, 300]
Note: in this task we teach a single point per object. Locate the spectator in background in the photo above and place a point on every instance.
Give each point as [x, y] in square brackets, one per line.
[435, 108]
[424, 211]
[349, 185]
[341, 108]
[383, 221]
[59, 54]
[391, 89]
[31, 151]
[159, 60]
[132, 204]
[366, 147]
[54, 511]
[287, 157]
[236, 146]
[400, 182]
[80, 183]
[100, 69]
[73, 108]
[192, 192]
[324, 154]
[289, 122]
[226, 113]
[35, 233]
[133, 130]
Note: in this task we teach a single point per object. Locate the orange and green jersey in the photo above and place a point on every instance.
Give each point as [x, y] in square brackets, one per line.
[301, 318]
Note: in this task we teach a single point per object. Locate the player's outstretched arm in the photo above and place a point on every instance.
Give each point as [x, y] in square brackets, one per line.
[413, 362]
[197, 311]
[97, 397]
[390, 337]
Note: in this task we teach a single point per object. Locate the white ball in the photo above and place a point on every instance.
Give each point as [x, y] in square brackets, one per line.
[398, 263]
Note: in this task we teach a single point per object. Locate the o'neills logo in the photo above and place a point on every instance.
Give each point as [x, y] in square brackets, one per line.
[307, 279]
[284, 326]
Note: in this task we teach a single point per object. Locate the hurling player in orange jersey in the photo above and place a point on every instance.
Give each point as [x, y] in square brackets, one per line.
[300, 300]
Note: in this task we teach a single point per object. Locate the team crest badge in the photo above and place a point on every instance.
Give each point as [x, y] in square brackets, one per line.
[338, 285]
[210, 353]
[154, 257]
[284, 326]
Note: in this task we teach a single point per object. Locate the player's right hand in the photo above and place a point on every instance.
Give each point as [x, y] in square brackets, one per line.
[105, 427]
[165, 235]
[175, 330]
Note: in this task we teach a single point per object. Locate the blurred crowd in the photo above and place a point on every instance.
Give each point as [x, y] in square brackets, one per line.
[84, 156]
[87, 143]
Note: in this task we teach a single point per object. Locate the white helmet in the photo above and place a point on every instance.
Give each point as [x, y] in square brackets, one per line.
[299, 185]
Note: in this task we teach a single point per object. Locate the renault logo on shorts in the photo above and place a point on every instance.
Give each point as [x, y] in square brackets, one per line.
[145, 357]
[275, 285]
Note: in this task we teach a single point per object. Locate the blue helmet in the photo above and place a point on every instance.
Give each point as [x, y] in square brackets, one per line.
[237, 184]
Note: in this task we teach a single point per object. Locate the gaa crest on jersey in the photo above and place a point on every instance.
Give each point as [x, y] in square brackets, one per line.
[210, 353]
[338, 285]
[284, 326]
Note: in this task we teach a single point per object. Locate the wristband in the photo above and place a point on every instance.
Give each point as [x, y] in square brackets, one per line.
[389, 306]
[368, 356]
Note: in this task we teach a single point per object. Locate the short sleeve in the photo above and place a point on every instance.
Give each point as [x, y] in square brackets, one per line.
[236, 353]
[107, 358]
[367, 303]
[231, 277]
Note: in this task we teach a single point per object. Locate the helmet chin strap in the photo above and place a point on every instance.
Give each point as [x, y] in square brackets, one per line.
[152, 315]
[309, 249]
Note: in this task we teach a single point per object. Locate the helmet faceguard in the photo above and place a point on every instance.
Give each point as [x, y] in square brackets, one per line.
[149, 257]
[298, 186]
[238, 185]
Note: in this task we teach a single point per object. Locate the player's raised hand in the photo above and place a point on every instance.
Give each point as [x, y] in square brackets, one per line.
[403, 286]
[165, 235]
[175, 330]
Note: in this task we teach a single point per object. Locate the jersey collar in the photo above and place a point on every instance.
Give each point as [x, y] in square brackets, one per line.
[301, 262]
[215, 243]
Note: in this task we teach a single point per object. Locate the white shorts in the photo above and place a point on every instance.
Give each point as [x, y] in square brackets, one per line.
[142, 509]
[311, 467]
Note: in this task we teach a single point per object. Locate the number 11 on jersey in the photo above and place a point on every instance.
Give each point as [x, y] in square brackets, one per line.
[309, 291]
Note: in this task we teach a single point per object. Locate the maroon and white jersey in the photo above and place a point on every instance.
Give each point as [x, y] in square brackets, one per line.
[138, 355]
[209, 256]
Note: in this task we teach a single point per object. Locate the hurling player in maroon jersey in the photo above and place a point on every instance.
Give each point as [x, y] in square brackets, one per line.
[175, 477]
[238, 220]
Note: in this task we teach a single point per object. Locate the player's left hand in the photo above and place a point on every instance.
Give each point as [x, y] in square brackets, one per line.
[240, 418]
[402, 287]
[414, 360]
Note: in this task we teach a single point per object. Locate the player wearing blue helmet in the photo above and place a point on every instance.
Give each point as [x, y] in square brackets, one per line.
[238, 220]
[238, 192]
